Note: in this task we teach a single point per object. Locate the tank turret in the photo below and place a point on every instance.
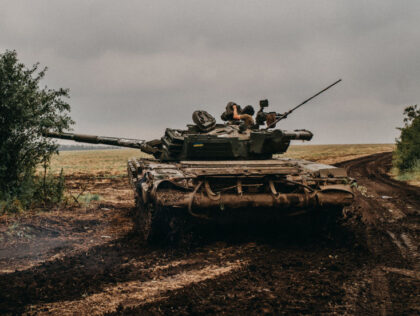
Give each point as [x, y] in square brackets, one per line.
[222, 143]
[206, 140]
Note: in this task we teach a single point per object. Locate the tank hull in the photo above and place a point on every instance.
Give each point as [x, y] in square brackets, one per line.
[208, 190]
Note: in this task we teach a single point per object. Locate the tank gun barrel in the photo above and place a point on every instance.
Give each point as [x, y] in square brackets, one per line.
[93, 139]
[298, 134]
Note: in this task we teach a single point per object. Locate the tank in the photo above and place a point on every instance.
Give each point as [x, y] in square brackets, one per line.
[210, 171]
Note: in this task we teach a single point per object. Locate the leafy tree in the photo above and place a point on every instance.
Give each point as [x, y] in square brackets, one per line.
[26, 110]
[407, 154]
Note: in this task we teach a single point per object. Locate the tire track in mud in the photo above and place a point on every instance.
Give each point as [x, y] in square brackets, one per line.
[389, 211]
[373, 172]
[389, 206]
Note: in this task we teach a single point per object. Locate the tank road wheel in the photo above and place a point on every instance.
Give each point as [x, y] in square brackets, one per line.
[142, 219]
[169, 227]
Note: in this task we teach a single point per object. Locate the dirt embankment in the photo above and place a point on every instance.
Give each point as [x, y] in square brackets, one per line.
[87, 260]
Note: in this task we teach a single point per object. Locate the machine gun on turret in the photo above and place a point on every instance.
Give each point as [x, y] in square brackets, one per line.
[272, 118]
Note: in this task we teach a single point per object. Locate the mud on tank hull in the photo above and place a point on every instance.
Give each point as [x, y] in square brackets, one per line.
[207, 190]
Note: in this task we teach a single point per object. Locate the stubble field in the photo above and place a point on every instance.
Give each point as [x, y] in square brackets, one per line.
[113, 162]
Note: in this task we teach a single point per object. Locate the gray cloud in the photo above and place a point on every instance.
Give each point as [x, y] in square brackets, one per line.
[135, 67]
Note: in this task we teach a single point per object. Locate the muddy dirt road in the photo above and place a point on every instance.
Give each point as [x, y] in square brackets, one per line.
[87, 260]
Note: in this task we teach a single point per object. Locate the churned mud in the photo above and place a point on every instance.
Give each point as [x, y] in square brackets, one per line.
[86, 259]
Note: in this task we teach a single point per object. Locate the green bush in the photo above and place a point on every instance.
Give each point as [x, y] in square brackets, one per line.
[49, 190]
[26, 111]
[38, 192]
[407, 153]
[412, 174]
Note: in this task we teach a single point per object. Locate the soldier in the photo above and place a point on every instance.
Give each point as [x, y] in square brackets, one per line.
[235, 113]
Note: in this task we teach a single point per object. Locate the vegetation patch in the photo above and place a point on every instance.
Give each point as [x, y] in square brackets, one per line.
[89, 197]
[27, 110]
[411, 176]
[406, 159]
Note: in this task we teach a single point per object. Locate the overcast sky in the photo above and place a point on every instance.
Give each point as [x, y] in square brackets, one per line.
[136, 67]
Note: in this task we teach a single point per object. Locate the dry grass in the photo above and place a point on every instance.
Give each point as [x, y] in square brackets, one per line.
[330, 154]
[112, 163]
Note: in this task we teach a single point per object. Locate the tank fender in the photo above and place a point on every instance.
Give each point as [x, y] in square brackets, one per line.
[180, 186]
[333, 194]
[337, 187]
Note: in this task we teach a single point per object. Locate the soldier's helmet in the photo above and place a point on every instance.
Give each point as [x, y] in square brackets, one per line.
[249, 109]
[228, 114]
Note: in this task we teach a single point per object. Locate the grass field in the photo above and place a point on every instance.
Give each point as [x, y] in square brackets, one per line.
[113, 162]
[105, 161]
[331, 154]
[412, 176]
